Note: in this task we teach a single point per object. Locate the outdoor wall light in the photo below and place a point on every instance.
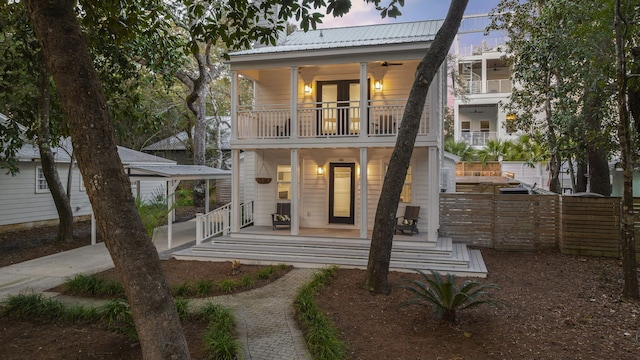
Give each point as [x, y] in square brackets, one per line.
[320, 171]
[308, 89]
[377, 86]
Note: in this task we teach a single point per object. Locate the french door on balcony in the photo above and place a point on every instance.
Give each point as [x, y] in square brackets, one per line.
[342, 181]
[340, 107]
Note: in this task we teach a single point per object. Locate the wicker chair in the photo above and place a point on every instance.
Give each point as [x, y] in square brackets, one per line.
[282, 216]
[408, 222]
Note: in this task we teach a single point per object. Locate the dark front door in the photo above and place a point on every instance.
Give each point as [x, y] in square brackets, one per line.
[342, 180]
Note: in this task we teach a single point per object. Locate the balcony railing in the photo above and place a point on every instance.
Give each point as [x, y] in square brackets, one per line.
[478, 138]
[493, 86]
[325, 120]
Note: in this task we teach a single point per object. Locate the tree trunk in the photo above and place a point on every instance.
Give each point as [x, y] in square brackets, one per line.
[633, 91]
[200, 142]
[381, 242]
[555, 161]
[599, 181]
[108, 187]
[581, 179]
[47, 158]
[627, 234]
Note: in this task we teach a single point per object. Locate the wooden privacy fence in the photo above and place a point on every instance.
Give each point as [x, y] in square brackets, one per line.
[574, 225]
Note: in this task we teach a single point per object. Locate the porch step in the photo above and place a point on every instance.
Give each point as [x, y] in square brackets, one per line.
[443, 256]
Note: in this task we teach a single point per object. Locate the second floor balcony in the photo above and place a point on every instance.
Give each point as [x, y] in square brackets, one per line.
[478, 138]
[492, 87]
[325, 120]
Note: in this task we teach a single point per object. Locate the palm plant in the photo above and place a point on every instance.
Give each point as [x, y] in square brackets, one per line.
[493, 151]
[459, 148]
[445, 297]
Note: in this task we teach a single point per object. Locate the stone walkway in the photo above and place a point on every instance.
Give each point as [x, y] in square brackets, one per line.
[267, 327]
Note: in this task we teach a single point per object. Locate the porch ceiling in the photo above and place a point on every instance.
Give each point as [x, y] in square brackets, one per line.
[177, 172]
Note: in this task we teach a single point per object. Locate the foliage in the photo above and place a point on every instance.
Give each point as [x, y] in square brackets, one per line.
[219, 342]
[460, 148]
[153, 212]
[93, 285]
[444, 295]
[320, 333]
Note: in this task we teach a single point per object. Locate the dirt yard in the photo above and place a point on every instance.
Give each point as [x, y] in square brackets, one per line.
[559, 307]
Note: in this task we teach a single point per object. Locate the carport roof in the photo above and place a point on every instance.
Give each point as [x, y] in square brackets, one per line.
[176, 172]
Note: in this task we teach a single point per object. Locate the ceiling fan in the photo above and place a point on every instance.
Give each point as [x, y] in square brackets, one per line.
[385, 64]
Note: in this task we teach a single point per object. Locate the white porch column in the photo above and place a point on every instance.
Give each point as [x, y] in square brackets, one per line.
[234, 105]
[364, 91]
[295, 192]
[294, 103]
[484, 76]
[235, 190]
[433, 215]
[207, 199]
[93, 228]
[364, 191]
[171, 198]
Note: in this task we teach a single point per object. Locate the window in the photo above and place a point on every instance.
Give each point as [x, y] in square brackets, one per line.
[465, 126]
[284, 182]
[41, 182]
[405, 195]
[484, 126]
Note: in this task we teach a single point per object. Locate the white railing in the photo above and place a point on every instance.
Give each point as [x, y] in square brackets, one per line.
[478, 138]
[269, 122]
[218, 221]
[493, 86]
[326, 120]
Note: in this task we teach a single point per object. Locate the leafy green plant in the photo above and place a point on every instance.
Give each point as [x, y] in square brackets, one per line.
[92, 285]
[182, 307]
[446, 297]
[219, 341]
[320, 333]
[181, 290]
[227, 285]
[117, 315]
[32, 306]
[154, 213]
[247, 281]
[203, 287]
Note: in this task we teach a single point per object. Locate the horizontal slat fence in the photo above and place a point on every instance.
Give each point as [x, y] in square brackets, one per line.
[574, 225]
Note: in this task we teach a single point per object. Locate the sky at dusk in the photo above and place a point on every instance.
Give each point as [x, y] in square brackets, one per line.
[363, 13]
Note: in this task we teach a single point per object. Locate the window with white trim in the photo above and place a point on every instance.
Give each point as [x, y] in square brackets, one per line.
[41, 182]
[405, 195]
[284, 182]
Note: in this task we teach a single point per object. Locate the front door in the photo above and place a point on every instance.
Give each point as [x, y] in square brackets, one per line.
[342, 182]
[340, 102]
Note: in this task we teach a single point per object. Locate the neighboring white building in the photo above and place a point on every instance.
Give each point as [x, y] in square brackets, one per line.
[25, 200]
[484, 84]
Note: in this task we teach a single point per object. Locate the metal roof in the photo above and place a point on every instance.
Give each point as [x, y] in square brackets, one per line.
[178, 141]
[177, 172]
[353, 36]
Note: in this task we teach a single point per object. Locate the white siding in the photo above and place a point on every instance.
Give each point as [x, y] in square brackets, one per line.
[21, 204]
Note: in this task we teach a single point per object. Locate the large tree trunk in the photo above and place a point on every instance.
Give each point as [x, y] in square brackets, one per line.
[47, 159]
[136, 259]
[552, 139]
[381, 242]
[627, 233]
[596, 151]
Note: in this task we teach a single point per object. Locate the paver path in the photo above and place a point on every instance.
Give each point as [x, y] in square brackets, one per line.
[266, 321]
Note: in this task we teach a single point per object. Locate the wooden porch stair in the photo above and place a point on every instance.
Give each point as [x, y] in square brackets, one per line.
[315, 252]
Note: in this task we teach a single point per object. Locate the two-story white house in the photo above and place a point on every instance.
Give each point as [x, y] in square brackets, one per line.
[318, 137]
[483, 83]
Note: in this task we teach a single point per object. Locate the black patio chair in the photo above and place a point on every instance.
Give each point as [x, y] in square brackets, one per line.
[408, 222]
[282, 216]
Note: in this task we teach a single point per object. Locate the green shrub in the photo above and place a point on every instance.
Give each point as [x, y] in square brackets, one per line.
[446, 297]
[320, 333]
[182, 307]
[32, 306]
[227, 285]
[247, 281]
[181, 290]
[203, 287]
[92, 285]
[219, 342]
[117, 315]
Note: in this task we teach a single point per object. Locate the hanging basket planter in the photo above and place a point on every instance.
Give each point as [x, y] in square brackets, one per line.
[263, 176]
[263, 180]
